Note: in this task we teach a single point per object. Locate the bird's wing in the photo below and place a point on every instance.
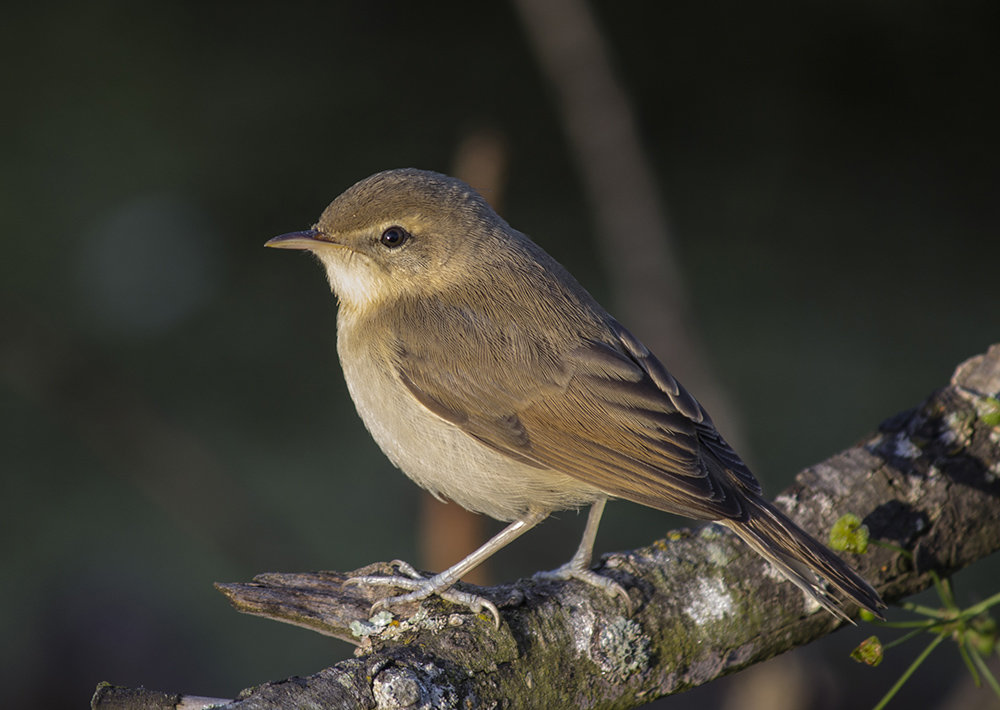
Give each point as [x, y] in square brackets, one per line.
[604, 412]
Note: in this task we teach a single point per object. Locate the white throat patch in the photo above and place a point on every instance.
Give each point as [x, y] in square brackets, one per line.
[354, 278]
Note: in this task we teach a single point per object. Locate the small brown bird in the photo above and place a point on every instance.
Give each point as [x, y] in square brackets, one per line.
[493, 379]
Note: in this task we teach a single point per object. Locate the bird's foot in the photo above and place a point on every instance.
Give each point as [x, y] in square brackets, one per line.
[421, 587]
[570, 570]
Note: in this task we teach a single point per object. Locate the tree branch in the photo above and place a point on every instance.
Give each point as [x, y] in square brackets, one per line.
[928, 480]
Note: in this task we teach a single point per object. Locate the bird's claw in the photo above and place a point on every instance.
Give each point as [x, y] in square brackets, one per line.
[589, 576]
[421, 587]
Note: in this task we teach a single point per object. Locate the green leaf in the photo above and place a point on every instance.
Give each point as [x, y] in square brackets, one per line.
[982, 634]
[849, 535]
[868, 651]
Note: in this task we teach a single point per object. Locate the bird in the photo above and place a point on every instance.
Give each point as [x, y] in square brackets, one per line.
[492, 378]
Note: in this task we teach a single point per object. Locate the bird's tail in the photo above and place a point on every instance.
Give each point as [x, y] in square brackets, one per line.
[804, 560]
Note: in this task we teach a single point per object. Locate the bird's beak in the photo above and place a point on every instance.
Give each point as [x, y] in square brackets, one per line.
[298, 240]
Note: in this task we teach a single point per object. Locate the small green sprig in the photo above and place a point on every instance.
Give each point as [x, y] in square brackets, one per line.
[972, 629]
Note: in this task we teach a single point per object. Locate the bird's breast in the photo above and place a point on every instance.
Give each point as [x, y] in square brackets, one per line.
[435, 453]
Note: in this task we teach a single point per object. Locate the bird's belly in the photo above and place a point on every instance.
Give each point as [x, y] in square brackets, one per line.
[445, 460]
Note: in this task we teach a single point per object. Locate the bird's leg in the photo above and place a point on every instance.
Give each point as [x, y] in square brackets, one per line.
[441, 584]
[579, 565]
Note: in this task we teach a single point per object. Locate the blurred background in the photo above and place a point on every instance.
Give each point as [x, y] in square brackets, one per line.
[795, 206]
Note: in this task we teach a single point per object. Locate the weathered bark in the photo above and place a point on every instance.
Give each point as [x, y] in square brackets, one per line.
[928, 480]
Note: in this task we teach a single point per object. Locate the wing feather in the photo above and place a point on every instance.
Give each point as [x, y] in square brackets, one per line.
[605, 412]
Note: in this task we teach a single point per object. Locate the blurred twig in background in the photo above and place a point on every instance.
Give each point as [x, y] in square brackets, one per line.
[633, 231]
[449, 532]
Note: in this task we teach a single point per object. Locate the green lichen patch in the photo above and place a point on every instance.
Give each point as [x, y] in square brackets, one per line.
[988, 409]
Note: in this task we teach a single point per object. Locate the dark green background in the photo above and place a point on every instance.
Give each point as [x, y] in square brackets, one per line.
[171, 405]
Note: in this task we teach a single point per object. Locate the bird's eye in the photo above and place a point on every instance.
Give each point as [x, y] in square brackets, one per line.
[394, 237]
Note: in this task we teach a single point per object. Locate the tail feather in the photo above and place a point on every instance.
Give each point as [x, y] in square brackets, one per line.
[804, 560]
